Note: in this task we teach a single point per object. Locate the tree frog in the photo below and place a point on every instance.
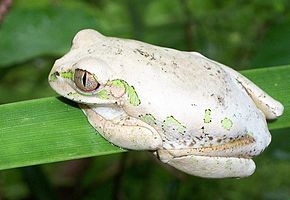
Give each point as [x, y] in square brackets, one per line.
[193, 113]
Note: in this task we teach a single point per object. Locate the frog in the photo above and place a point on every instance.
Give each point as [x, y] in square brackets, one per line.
[194, 114]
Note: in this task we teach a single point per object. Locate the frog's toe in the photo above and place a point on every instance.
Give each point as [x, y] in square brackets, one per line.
[212, 167]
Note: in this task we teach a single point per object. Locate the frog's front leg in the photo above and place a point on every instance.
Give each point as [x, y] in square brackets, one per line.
[124, 131]
[208, 167]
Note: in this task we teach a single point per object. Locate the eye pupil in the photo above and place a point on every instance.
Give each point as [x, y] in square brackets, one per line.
[85, 81]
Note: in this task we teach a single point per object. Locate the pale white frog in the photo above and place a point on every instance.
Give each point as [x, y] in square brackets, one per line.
[195, 114]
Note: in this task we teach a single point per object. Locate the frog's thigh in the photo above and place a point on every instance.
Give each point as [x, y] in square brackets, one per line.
[125, 131]
[269, 106]
[210, 167]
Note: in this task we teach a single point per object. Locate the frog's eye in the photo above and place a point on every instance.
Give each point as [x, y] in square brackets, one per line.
[85, 81]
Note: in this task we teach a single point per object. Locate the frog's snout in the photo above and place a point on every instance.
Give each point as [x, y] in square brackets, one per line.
[53, 80]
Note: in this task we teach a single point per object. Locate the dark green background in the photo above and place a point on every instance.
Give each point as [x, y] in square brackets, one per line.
[241, 34]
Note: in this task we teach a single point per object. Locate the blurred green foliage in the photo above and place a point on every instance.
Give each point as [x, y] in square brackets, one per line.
[238, 33]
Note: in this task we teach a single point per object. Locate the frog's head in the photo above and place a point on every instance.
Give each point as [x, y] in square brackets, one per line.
[83, 77]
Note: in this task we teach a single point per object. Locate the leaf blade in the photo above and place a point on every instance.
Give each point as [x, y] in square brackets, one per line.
[53, 131]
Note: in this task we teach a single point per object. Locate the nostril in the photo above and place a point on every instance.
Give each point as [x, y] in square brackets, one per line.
[53, 76]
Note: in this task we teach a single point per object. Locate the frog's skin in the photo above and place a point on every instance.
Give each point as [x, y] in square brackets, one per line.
[195, 114]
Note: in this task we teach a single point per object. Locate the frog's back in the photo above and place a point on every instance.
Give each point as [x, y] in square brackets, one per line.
[197, 92]
[166, 75]
[141, 62]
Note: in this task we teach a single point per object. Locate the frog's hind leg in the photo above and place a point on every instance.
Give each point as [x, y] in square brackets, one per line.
[124, 131]
[209, 167]
[269, 106]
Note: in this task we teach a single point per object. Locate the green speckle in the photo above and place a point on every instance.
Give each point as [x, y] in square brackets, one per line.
[132, 94]
[73, 94]
[68, 74]
[172, 122]
[88, 94]
[250, 134]
[134, 99]
[149, 119]
[103, 94]
[207, 118]
[227, 123]
[53, 77]
[118, 83]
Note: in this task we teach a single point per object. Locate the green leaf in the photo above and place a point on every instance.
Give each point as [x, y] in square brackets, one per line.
[54, 129]
[47, 130]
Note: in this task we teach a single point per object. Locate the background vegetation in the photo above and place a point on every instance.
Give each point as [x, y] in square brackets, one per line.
[241, 34]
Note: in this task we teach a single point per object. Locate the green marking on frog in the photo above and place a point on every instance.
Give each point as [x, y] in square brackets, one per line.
[68, 74]
[118, 83]
[73, 94]
[87, 94]
[207, 118]
[227, 123]
[130, 90]
[53, 77]
[103, 94]
[134, 99]
[250, 134]
[172, 122]
[149, 119]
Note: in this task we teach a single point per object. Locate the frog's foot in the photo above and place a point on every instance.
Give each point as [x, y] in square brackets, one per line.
[124, 131]
[209, 167]
[269, 106]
